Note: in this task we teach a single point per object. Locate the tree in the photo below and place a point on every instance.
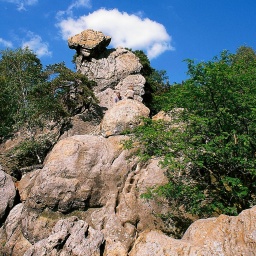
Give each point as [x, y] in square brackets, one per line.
[72, 92]
[20, 70]
[32, 97]
[209, 149]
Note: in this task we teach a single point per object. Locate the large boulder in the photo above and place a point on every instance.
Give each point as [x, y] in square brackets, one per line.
[95, 179]
[124, 115]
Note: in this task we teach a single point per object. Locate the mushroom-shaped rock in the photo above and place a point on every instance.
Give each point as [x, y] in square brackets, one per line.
[124, 115]
[7, 192]
[89, 42]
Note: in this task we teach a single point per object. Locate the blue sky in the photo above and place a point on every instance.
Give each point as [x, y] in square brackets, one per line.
[169, 31]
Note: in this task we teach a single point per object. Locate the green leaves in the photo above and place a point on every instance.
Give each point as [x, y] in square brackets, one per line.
[30, 95]
[209, 152]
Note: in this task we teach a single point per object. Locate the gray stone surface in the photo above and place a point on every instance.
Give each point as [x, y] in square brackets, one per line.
[7, 194]
[71, 237]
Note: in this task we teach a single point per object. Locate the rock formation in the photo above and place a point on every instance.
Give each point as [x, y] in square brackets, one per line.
[94, 179]
[224, 235]
[89, 43]
[7, 189]
[86, 199]
[70, 236]
[111, 69]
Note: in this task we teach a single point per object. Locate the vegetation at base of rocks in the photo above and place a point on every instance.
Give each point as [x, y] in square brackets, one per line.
[33, 98]
[209, 149]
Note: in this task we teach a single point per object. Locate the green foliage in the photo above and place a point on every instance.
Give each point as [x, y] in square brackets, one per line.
[71, 91]
[209, 151]
[31, 96]
[19, 71]
[31, 152]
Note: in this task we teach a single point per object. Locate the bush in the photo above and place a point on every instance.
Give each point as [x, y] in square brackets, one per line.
[211, 157]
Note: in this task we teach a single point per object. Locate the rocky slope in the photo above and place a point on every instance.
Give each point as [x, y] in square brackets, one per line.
[85, 200]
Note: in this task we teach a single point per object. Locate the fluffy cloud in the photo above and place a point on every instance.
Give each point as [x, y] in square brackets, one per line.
[35, 43]
[21, 4]
[5, 43]
[126, 30]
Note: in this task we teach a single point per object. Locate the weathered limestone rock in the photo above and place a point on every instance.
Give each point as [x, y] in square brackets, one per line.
[7, 194]
[137, 81]
[107, 96]
[124, 115]
[76, 174]
[224, 235]
[69, 237]
[158, 244]
[113, 69]
[92, 177]
[14, 241]
[89, 42]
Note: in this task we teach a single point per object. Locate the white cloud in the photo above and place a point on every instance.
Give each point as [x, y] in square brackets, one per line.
[35, 43]
[6, 43]
[21, 4]
[126, 30]
[76, 4]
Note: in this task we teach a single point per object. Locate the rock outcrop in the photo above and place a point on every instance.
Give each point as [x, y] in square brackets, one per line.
[7, 194]
[224, 235]
[94, 179]
[70, 236]
[111, 69]
[89, 43]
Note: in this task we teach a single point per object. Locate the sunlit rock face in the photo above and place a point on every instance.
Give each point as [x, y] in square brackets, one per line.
[94, 179]
[124, 115]
[89, 43]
